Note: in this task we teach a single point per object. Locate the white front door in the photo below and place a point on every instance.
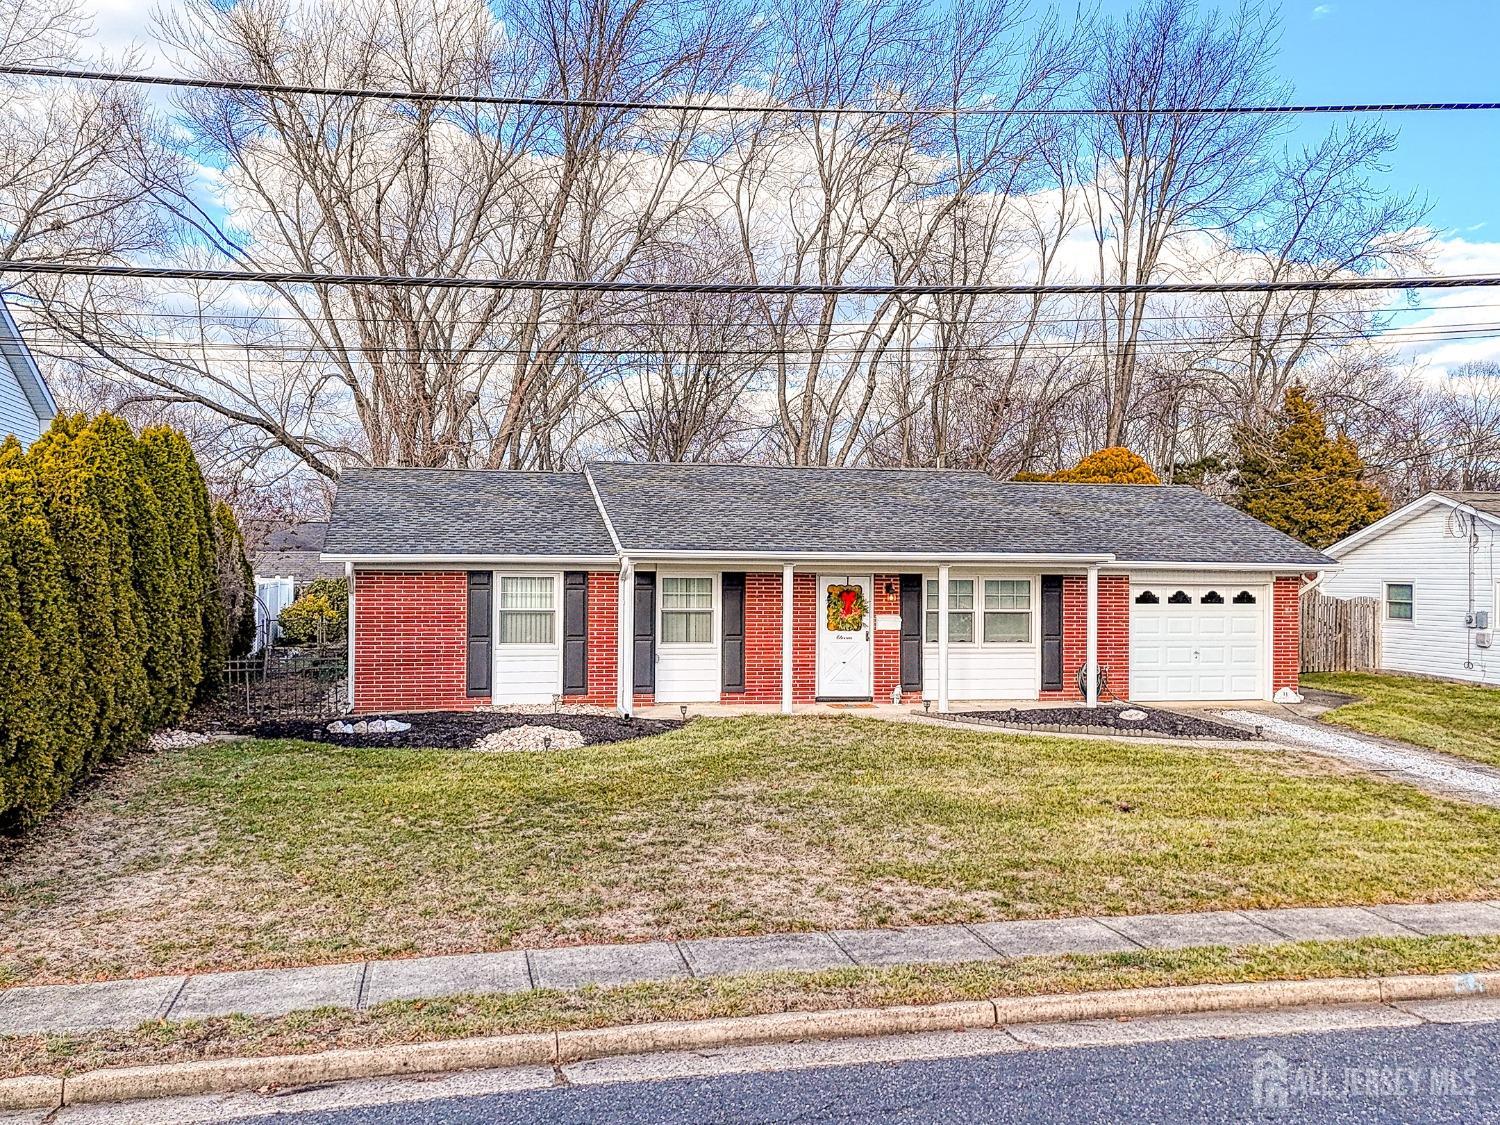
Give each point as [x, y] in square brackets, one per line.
[1197, 642]
[845, 624]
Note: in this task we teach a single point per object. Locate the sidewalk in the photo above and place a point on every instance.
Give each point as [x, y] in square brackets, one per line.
[273, 992]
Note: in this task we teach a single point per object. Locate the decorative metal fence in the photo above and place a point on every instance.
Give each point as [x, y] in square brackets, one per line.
[1340, 634]
[290, 683]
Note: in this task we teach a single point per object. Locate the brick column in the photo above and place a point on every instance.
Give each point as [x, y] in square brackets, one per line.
[805, 624]
[1286, 633]
[603, 635]
[1114, 636]
[762, 640]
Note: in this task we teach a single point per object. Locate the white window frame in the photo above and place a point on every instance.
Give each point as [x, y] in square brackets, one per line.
[973, 612]
[1032, 582]
[555, 580]
[1385, 602]
[985, 613]
[712, 611]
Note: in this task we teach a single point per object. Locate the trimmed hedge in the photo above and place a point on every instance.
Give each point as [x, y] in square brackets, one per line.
[111, 615]
[320, 615]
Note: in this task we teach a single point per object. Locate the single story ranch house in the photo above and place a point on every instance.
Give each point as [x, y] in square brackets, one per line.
[625, 585]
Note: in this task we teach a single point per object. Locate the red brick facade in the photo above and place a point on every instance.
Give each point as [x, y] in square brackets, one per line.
[410, 640]
[1114, 635]
[604, 632]
[1286, 634]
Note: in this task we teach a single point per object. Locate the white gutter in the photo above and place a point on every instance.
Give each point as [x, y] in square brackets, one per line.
[473, 560]
[1235, 568]
[935, 559]
[609, 525]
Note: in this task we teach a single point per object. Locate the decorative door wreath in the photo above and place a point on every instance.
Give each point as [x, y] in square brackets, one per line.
[846, 608]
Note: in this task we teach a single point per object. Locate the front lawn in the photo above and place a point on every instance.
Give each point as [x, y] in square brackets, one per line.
[267, 853]
[1461, 719]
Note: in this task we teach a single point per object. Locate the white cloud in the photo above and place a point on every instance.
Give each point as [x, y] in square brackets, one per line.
[1323, 11]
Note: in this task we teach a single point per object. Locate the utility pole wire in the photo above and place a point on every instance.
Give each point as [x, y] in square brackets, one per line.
[546, 285]
[516, 101]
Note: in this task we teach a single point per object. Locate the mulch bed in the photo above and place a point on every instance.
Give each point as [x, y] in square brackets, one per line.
[451, 730]
[1106, 720]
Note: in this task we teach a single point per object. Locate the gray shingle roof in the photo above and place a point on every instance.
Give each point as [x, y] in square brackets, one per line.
[915, 511]
[1486, 502]
[465, 513]
[787, 511]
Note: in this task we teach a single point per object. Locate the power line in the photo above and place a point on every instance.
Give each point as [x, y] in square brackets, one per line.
[544, 285]
[270, 352]
[610, 321]
[519, 101]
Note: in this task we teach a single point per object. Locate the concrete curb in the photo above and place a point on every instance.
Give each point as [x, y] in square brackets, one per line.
[214, 1076]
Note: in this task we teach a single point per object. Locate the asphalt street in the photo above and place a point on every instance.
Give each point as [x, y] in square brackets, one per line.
[1429, 1072]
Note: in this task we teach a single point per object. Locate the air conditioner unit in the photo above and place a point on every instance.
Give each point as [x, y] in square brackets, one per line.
[1484, 639]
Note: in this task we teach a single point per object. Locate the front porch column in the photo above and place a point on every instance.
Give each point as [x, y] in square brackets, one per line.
[625, 640]
[787, 648]
[1091, 642]
[942, 593]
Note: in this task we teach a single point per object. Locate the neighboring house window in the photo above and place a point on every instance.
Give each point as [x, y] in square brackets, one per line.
[1398, 601]
[527, 610]
[960, 611]
[687, 611]
[1007, 610]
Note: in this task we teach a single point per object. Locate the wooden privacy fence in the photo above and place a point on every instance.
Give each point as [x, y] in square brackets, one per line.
[1340, 634]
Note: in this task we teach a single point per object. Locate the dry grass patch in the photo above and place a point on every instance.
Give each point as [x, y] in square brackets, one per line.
[270, 853]
[465, 1016]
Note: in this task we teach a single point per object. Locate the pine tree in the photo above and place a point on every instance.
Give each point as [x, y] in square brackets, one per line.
[174, 477]
[236, 579]
[81, 481]
[1300, 480]
[46, 711]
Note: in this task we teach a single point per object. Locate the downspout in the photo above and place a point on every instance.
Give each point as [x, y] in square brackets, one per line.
[349, 658]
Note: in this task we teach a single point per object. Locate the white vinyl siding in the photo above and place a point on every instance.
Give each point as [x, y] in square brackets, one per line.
[687, 666]
[1425, 553]
[17, 415]
[984, 668]
[528, 639]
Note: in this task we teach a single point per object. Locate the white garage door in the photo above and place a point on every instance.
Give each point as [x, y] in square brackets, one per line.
[1197, 642]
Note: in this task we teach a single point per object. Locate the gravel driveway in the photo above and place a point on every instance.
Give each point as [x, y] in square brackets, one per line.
[1423, 768]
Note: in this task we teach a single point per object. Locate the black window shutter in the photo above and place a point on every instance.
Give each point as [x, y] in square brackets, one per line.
[732, 593]
[1052, 632]
[481, 585]
[575, 632]
[644, 658]
[911, 632]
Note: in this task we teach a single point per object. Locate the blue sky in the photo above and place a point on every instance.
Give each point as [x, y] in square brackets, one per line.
[1405, 51]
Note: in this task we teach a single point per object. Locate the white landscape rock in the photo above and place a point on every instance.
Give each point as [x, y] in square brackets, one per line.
[1133, 715]
[530, 737]
[371, 726]
[173, 739]
[1286, 695]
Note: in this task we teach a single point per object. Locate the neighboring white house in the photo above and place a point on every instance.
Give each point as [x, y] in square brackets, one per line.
[26, 406]
[1433, 564]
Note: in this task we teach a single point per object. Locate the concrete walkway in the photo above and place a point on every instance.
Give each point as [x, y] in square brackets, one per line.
[273, 992]
[1426, 769]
